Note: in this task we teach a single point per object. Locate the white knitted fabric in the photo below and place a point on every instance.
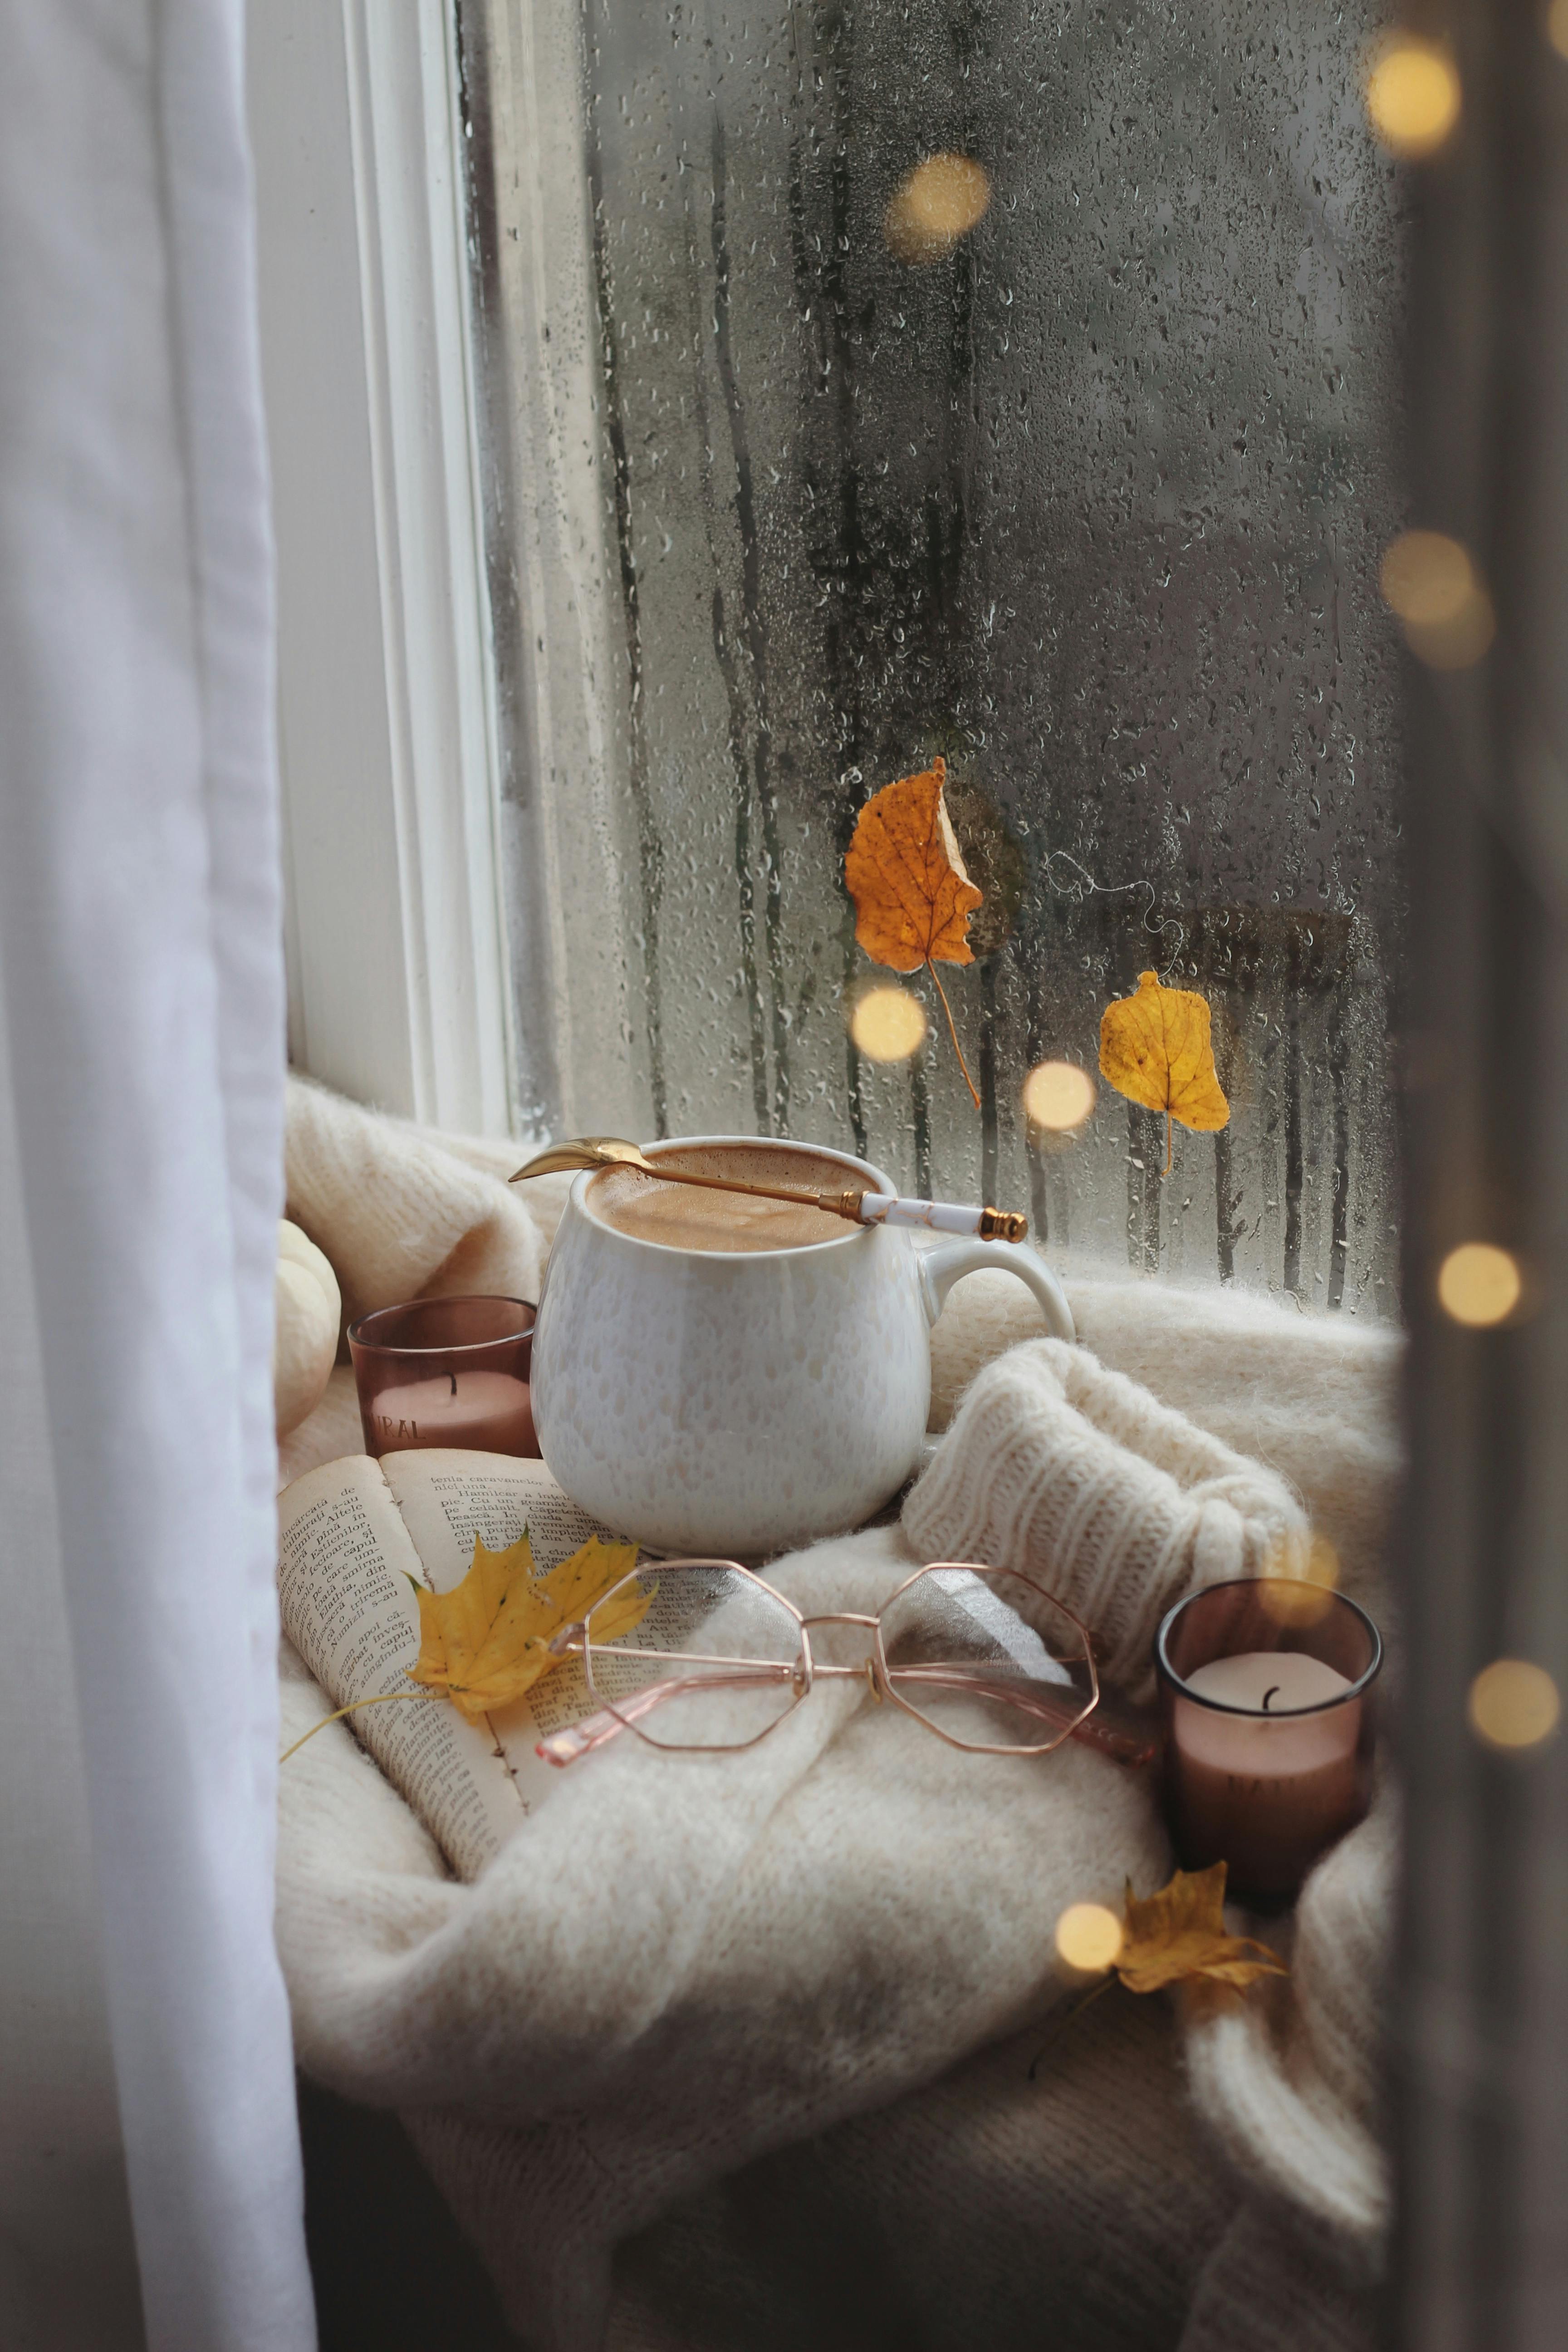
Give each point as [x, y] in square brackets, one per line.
[1314, 1397]
[695, 1987]
[1079, 1477]
[1272, 2286]
[682, 1961]
[405, 1212]
[1034, 1474]
[1291, 2084]
[984, 2213]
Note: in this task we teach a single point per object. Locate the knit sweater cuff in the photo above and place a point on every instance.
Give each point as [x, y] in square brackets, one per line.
[1079, 1478]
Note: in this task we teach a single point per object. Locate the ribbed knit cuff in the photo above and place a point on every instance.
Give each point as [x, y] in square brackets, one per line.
[1079, 1477]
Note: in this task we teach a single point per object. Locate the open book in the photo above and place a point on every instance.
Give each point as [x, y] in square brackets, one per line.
[355, 1536]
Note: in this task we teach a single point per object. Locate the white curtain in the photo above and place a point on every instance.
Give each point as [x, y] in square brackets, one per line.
[143, 985]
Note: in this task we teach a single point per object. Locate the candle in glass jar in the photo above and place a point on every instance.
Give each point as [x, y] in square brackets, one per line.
[445, 1372]
[489, 1412]
[1265, 1791]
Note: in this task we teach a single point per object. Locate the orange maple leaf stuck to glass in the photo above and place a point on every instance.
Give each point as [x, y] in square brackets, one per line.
[1154, 1048]
[912, 898]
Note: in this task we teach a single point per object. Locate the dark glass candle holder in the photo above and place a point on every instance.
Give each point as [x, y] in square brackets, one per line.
[1266, 1690]
[446, 1371]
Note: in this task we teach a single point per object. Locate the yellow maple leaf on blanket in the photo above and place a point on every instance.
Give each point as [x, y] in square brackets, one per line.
[1179, 1932]
[1175, 1937]
[488, 1641]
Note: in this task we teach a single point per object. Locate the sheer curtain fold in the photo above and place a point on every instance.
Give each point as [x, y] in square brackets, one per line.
[139, 932]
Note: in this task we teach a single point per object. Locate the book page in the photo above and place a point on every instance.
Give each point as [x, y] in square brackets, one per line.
[448, 1497]
[346, 1570]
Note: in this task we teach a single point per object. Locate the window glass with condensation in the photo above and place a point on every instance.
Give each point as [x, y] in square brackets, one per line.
[1013, 381]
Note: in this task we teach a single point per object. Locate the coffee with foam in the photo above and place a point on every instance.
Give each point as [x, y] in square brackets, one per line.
[687, 1217]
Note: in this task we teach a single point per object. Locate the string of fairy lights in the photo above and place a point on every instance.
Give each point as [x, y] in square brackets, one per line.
[1432, 583]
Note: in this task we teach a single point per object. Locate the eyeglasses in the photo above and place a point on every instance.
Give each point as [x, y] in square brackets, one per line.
[985, 1658]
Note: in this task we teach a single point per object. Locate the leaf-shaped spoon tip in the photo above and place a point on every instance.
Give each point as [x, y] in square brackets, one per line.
[583, 1151]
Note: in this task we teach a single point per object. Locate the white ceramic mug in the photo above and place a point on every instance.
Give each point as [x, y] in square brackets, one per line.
[719, 1402]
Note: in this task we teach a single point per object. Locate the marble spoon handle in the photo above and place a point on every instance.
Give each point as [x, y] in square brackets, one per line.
[942, 1217]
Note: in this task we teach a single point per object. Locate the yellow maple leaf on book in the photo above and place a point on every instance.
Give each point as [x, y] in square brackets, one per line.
[486, 1642]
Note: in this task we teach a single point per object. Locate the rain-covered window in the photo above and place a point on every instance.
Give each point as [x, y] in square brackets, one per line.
[1012, 381]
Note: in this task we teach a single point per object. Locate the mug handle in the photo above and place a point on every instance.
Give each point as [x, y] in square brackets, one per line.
[941, 1268]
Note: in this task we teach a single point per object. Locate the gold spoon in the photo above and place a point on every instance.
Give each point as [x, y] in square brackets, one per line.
[858, 1202]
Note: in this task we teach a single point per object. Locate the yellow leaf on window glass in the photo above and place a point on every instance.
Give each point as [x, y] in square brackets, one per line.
[1154, 1048]
[486, 1642]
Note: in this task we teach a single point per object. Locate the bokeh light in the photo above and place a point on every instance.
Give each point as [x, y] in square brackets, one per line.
[889, 1024]
[1088, 1936]
[1305, 1599]
[1430, 581]
[1478, 1284]
[1514, 1704]
[1427, 576]
[939, 202]
[1412, 95]
[1059, 1095]
[1557, 26]
[1458, 644]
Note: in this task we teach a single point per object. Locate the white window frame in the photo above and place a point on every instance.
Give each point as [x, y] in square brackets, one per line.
[398, 988]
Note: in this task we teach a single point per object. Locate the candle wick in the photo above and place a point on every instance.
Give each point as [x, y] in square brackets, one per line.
[1268, 1695]
[453, 1378]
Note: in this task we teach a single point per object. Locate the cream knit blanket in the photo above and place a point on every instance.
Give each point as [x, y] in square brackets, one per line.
[689, 1972]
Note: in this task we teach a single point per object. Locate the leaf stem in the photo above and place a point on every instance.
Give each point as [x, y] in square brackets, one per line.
[1076, 2011]
[953, 1033]
[380, 1701]
[1167, 1170]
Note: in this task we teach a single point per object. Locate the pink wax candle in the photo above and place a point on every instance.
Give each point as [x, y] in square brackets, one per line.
[1268, 1727]
[446, 1371]
[486, 1411]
